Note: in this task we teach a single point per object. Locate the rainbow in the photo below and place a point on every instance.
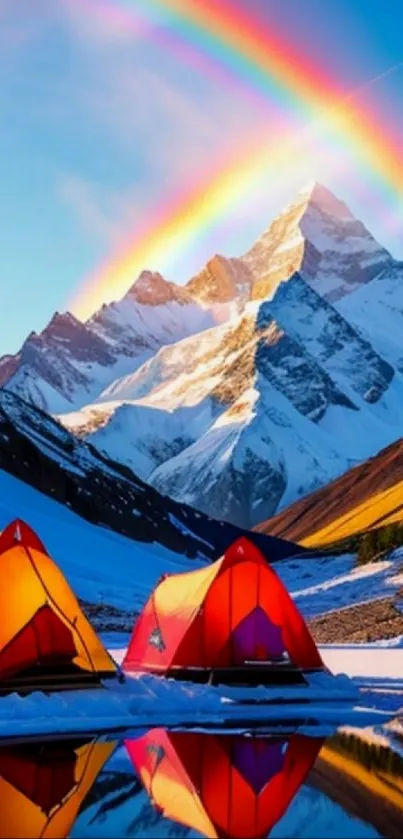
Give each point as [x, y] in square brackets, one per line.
[261, 62]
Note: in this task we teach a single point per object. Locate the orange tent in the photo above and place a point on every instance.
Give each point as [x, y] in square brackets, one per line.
[233, 613]
[43, 787]
[222, 785]
[44, 635]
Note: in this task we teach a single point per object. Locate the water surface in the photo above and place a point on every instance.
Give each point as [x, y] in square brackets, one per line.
[202, 784]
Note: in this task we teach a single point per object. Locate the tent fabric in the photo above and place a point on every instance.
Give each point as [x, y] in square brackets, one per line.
[227, 614]
[43, 787]
[42, 625]
[222, 785]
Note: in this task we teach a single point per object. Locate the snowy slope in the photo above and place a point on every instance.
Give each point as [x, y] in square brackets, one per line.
[100, 565]
[171, 368]
[152, 314]
[263, 378]
[377, 310]
[69, 363]
[39, 451]
[140, 436]
[225, 420]
[296, 386]
[253, 456]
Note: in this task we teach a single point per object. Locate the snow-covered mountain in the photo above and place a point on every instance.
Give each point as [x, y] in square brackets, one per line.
[37, 450]
[275, 439]
[69, 363]
[345, 354]
[254, 413]
[376, 309]
[318, 236]
[295, 387]
[222, 281]
[263, 378]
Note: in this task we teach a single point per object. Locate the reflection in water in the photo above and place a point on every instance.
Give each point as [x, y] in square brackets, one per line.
[222, 785]
[179, 784]
[366, 777]
[42, 787]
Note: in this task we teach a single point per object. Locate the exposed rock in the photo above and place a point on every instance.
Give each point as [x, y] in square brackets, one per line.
[361, 624]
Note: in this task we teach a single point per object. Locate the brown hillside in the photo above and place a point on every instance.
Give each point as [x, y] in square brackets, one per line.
[338, 498]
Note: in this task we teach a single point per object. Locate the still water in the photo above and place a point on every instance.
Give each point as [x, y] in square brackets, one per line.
[162, 783]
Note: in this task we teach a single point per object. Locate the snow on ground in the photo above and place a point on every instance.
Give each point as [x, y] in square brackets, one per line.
[383, 665]
[149, 701]
[104, 567]
[376, 669]
[100, 565]
[323, 584]
[377, 665]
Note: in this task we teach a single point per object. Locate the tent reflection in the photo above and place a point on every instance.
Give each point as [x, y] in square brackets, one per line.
[42, 787]
[223, 785]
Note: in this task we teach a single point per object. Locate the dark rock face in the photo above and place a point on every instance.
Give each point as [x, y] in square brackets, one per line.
[69, 334]
[285, 364]
[329, 338]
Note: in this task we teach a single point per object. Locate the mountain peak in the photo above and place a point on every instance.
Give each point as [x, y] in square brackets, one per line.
[151, 289]
[63, 319]
[317, 235]
[314, 194]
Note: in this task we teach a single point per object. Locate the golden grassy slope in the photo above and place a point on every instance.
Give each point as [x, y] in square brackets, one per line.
[381, 509]
[367, 497]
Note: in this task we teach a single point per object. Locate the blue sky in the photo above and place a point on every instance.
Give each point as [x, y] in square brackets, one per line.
[99, 123]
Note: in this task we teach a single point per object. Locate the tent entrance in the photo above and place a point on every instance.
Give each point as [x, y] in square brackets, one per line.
[47, 648]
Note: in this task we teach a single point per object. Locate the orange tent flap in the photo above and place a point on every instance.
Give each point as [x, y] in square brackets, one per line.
[43, 787]
[223, 785]
[227, 614]
[166, 617]
[42, 620]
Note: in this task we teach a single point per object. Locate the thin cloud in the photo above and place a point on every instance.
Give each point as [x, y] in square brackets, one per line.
[81, 196]
[105, 215]
[97, 25]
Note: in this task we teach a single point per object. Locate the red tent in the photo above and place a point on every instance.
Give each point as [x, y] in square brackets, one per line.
[223, 785]
[231, 614]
